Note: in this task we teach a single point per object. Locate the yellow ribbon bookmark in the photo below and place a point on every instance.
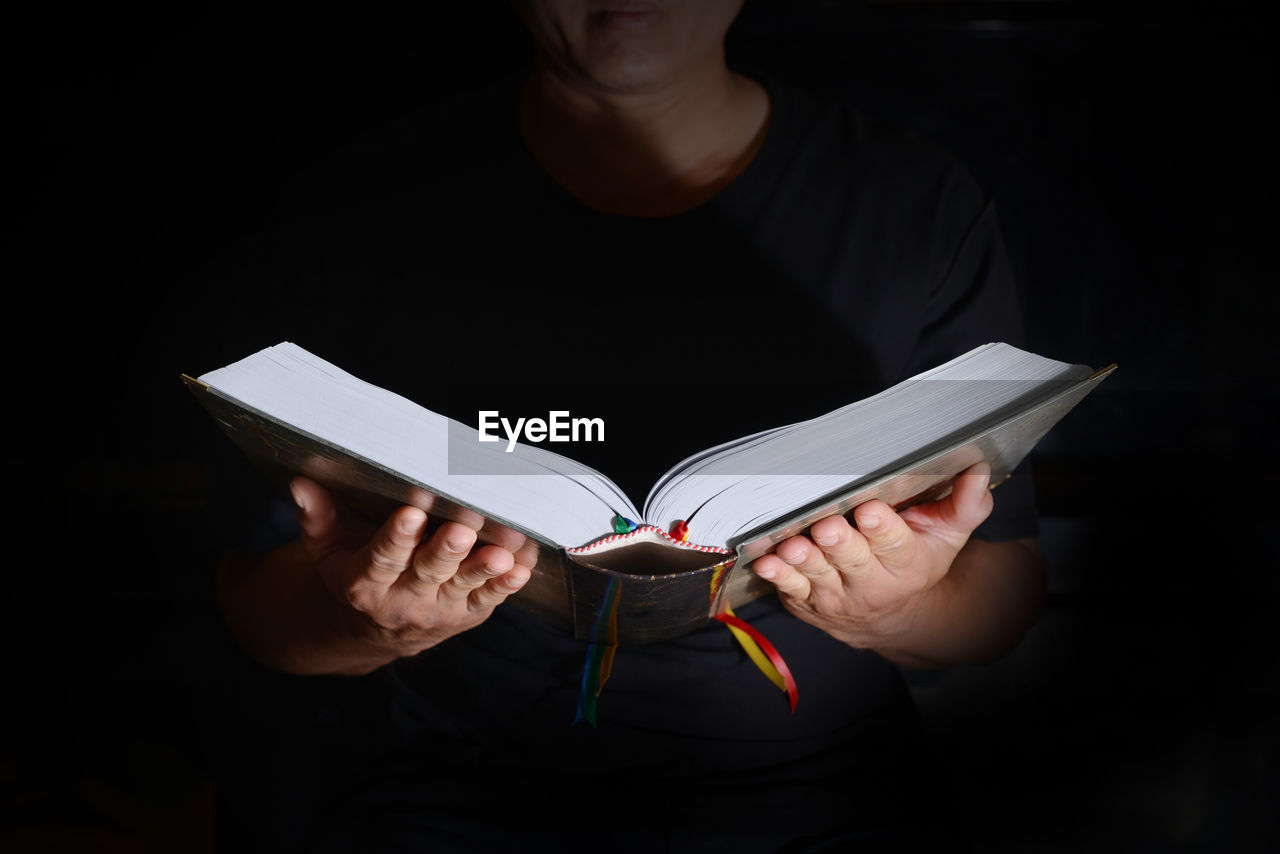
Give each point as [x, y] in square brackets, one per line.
[762, 654]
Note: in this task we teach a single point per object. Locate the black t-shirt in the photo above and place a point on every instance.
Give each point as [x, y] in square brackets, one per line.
[437, 259]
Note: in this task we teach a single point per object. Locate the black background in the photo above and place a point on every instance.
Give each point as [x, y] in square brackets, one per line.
[1130, 152]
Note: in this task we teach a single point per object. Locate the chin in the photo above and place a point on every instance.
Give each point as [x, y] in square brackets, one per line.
[633, 71]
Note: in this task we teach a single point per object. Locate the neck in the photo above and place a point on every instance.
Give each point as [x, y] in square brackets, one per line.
[657, 152]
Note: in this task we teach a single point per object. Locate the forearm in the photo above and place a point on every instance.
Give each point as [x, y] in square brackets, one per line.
[979, 611]
[281, 613]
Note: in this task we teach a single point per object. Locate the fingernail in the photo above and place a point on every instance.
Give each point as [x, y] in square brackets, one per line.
[870, 520]
[825, 541]
[457, 546]
[297, 497]
[412, 525]
[794, 559]
[763, 571]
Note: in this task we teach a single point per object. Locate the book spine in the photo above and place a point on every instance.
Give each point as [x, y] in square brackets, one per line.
[636, 607]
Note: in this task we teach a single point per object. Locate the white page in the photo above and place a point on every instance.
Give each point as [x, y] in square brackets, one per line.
[785, 469]
[544, 492]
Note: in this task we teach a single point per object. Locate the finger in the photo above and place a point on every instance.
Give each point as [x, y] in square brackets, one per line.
[501, 535]
[437, 560]
[491, 594]
[844, 547]
[809, 560]
[786, 578]
[891, 540]
[524, 549]
[480, 567]
[390, 551]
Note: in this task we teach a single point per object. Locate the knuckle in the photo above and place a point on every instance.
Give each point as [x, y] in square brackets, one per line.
[858, 550]
[429, 570]
[815, 569]
[484, 599]
[465, 581]
[381, 560]
[897, 542]
[361, 598]
[432, 575]
[485, 569]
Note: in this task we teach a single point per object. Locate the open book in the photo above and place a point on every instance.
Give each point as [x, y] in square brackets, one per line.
[608, 569]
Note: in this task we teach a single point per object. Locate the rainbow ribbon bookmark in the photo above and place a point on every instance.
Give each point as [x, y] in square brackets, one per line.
[599, 662]
[595, 672]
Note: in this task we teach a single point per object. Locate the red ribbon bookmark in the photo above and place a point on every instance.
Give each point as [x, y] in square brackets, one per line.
[770, 663]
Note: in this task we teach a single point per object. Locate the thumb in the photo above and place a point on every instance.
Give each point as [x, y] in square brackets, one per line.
[970, 501]
[317, 515]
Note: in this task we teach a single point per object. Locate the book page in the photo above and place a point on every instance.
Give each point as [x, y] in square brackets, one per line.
[741, 484]
[555, 497]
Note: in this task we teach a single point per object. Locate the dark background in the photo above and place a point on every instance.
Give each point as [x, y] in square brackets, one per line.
[1129, 149]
